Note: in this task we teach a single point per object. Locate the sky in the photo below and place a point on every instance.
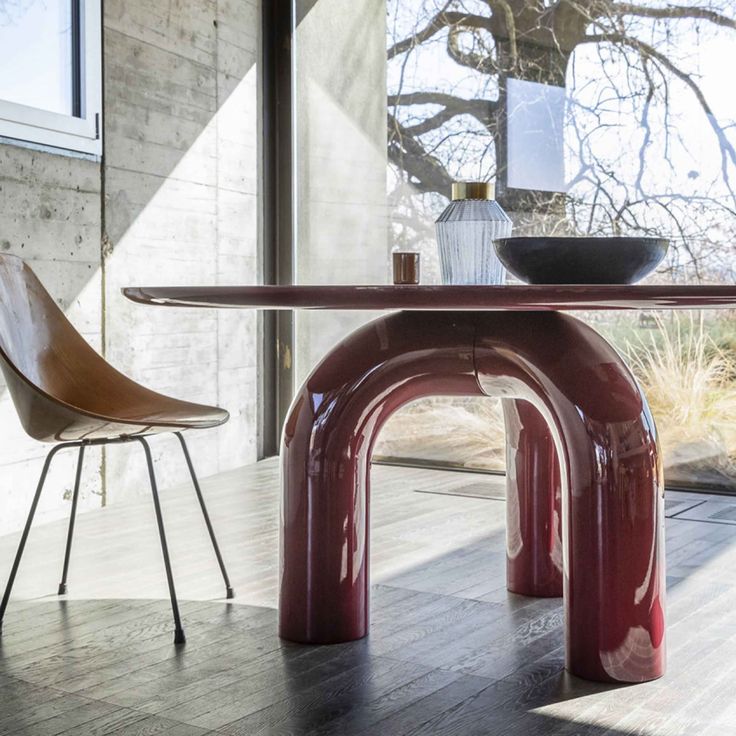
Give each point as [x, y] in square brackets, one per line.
[35, 54]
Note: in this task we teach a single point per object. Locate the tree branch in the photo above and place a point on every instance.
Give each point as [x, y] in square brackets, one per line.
[443, 19]
[482, 110]
[649, 51]
[409, 155]
[478, 62]
[670, 12]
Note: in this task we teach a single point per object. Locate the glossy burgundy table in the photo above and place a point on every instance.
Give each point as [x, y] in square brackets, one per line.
[584, 476]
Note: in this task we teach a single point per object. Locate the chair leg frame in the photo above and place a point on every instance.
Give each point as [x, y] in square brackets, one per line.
[72, 519]
[179, 637]
[229, 592]
[26, 530]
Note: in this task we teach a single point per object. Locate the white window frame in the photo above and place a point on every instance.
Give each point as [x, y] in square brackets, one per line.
[82, 134]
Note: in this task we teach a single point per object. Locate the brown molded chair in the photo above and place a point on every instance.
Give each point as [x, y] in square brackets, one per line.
[65, 393]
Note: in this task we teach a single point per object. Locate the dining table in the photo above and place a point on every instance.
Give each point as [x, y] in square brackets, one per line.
[584, 479]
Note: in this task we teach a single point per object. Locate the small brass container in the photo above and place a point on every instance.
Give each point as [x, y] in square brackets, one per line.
[406, 267]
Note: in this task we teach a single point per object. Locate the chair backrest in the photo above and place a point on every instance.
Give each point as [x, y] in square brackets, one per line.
[61, 388]
[51, 371]
[36, 339]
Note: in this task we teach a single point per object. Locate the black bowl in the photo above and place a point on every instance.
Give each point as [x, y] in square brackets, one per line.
[581, 260]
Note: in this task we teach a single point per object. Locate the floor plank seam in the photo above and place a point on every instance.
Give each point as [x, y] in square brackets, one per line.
[684, 511]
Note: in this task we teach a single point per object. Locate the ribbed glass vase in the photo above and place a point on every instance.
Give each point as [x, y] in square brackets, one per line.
[465, 234]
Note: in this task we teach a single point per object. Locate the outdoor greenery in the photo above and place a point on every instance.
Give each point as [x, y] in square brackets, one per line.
[686, 367]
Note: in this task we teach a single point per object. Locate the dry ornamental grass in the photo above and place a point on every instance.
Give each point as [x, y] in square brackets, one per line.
[688, 378]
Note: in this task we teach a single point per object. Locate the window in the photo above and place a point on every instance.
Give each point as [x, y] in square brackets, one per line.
[604, 122]
[50, 81]
[613, 121]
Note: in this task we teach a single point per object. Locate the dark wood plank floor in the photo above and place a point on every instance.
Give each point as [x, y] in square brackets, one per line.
[450, 651]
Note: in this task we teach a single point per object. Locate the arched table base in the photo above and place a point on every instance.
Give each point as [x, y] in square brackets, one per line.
[533, 504]
[583, 458]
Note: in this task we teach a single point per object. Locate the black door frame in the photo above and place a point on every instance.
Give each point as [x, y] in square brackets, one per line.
[277, 327]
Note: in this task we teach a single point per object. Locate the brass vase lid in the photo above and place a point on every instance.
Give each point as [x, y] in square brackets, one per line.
[472, 190]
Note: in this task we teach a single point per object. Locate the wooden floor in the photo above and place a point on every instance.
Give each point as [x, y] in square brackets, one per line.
[450, 651]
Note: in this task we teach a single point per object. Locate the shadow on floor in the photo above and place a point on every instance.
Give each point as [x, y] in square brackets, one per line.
[109, 666]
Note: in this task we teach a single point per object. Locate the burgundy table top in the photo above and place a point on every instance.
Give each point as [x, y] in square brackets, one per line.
[457, 298]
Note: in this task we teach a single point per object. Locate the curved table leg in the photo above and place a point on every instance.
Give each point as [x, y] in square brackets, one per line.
[325, 459]
[603, 434]
[533, 504]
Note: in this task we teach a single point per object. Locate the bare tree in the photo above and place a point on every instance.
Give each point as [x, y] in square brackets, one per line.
[434, 131]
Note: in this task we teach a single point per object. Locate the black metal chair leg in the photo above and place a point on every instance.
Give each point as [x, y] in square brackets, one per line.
[229, 592]
[72, 518]
[26, 529]
[179, 637]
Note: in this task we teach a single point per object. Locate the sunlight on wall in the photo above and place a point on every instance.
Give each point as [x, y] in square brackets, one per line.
[198, 227]
[342, 226]
[180, 206]
[341, 158]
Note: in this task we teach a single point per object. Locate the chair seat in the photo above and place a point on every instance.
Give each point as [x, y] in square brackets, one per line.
[181, 414]
[63, 390]
[122, 408]
[165, 416]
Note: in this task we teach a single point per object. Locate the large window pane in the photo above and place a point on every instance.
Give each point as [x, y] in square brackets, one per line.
[592, 119]
[36, 54]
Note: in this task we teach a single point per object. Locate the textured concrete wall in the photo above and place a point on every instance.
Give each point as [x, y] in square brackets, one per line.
[181, 188]
[174, 202]
[50, 213]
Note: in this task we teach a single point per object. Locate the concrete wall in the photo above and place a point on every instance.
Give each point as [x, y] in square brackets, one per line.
[50, 213]
[174, 202]
[342, 215]
[181, 163]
